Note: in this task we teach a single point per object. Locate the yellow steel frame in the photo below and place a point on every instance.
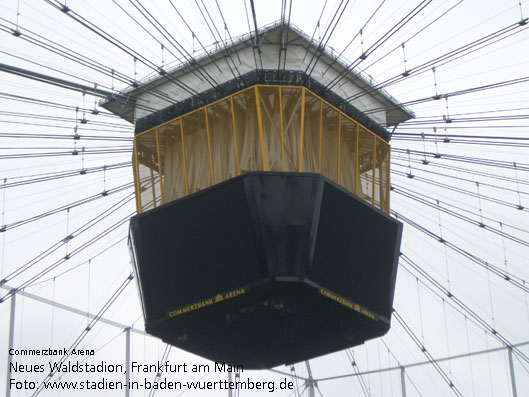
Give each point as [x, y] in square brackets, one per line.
[339, 145]
[209, 146]
[282, 129]
[235, 138]
[321, 136]
[301, 130]
[388, 187]
[374, 170]
[376, 139]
[184, 154]
[136, 177]
[250, 88]
[153, 189]
[260, 126]
[357, 167]
[159, 164]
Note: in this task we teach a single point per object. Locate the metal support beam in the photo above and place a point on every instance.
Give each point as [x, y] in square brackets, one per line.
[10, 346]
[311, 383]
[127, 361]
[511, 368]
[403, 381]
[60, 82]
[72, 309]
[417, 364]
[311, 388]
[256, 44]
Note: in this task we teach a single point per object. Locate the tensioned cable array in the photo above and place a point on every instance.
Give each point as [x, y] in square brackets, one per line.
[117, 43]
[378, 44]
[450, 56]
[84, 333]
[494, 269]
[465, 308]
[428, 355]
[105, 214]
[66, 207]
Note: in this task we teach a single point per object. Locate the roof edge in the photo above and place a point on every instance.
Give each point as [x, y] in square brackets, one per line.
[262, 77]
[220, 48]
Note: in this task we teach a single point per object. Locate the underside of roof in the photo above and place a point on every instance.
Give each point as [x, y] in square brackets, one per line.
[278, 46]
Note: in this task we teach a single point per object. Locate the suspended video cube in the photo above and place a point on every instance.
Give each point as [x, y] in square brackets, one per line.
[263, 234]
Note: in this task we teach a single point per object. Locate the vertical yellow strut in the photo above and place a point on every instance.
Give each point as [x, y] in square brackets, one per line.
[282, 129]
[235, 137]
[374, 166]
[260, 125]
[321, 133]
[153, 189]
[136, 176]
[357, 173]
[301, 130]
[388, 183]
[339, 144]
[209, 147]
[159, 163]
[184, 153]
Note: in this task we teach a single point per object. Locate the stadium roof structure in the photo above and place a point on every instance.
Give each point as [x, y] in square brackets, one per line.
[279, 47]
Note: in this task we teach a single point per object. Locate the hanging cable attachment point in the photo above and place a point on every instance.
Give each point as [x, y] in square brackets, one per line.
[364, 55]
[519, 206]
[409, 175]
[76, 136]
[406, 72]
[68, 235]
[161, 70]
[424, 160]
[446, 139]
[95, 110]
[481, 224]
[446, 117]
[112, 71]
[134, 83]
[3, 227]
[436, 155]
[16, 31]
[436, 97]
[104, 192]
[83, 119]
[523, 21]
[83, 171]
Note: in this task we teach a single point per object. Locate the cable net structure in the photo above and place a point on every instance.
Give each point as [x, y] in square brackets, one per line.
[78, 78]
